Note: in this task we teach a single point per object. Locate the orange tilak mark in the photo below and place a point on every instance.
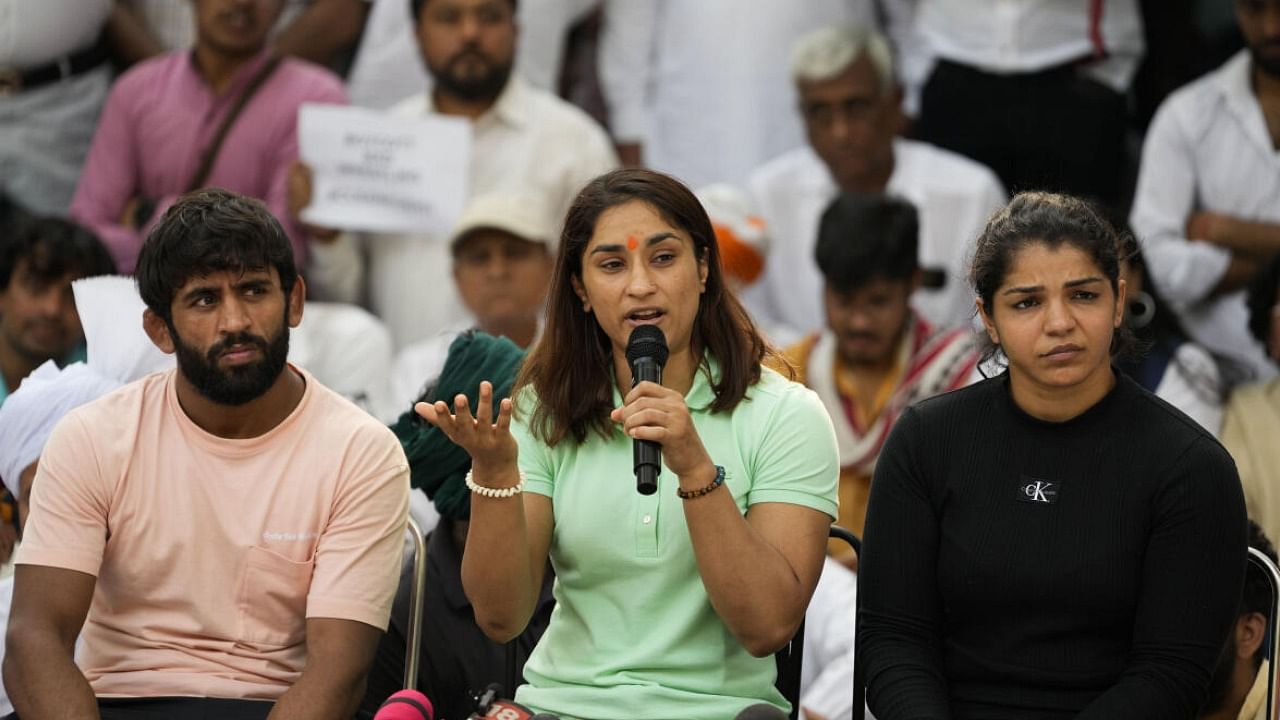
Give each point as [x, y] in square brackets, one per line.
[632, 243]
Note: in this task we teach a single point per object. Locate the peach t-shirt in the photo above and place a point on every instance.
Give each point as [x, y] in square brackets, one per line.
[210, 553]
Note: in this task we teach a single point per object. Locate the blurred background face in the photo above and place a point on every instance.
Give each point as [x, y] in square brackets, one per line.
[236, 27]
[850, 122]
[868, 322]
[38, 318]
[468, 45]
[502, 278]
[1260, 24]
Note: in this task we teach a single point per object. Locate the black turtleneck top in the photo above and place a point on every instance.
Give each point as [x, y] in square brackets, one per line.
[1017, 568]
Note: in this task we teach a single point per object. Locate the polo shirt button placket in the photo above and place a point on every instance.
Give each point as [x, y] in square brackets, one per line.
[646, 527]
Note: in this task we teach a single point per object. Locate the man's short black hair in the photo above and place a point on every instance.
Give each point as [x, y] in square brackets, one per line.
[210, 231]
[865, 236]
[417, 5]
[52, 248]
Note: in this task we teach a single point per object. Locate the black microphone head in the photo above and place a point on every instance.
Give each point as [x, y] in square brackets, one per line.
[647, 341]
[760, 711]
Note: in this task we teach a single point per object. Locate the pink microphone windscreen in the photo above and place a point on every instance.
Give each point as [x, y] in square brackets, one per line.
[406, 705]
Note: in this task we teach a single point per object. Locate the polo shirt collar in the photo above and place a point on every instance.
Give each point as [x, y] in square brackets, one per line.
[701, 394]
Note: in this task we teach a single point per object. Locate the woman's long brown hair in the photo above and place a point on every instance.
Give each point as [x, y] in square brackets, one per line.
[570, 368]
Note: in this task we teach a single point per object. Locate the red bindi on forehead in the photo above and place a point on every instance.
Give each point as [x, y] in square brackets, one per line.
[632, 242]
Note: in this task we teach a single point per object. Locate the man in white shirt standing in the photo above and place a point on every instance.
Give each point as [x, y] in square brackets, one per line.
[1034, 89]
[850, 106]
[523, 140]
[699, 89]
[54, 77]
[1206, 208]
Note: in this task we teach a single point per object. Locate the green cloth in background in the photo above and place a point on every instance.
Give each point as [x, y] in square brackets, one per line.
[437, 465]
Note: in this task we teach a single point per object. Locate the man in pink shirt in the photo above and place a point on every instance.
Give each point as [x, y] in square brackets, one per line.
[164, 114]
[225, 537]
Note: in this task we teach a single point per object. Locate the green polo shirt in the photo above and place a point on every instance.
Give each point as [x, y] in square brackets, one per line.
[633, 633]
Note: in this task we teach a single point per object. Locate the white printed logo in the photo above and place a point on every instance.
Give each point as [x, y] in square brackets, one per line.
[1032, 490]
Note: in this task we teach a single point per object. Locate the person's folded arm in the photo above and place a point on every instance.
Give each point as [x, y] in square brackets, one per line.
[1184, 270]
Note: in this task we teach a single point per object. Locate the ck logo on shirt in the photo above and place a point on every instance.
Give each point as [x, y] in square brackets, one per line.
[1033, 490]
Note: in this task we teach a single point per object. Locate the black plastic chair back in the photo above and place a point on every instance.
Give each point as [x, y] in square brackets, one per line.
[790, 659]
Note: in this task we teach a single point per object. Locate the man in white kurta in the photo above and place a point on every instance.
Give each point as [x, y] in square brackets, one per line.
[856, 151]
[1207, 205]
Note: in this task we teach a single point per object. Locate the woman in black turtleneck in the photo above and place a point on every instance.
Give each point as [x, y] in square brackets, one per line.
[1054, 542]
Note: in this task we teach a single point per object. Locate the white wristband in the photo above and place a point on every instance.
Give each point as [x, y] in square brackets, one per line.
[495, 492]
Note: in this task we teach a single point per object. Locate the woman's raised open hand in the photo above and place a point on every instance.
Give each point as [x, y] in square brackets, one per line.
[488, 442]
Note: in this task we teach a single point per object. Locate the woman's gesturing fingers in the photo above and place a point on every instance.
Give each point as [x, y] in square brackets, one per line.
[479, 435]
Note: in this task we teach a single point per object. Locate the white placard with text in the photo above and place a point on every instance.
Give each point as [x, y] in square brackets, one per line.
[374, 172]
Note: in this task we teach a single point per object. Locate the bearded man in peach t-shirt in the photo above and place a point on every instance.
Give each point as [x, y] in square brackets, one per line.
[225, 536]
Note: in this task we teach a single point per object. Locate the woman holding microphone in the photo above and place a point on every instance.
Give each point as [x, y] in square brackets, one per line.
[668, 605]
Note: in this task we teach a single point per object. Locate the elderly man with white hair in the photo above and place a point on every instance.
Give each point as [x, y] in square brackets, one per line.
[850, 104]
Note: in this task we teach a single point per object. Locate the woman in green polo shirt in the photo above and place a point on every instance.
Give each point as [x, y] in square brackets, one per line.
[668, 605]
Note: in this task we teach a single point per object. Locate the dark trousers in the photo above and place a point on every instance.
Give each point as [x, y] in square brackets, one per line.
[1056, 130]
[179, 708]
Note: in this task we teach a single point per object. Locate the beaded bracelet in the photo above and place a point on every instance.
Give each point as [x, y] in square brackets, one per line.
[691, 494]
[489, 492]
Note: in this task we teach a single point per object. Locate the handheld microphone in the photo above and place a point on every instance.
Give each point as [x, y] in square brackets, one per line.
[406, 705]
[646, 354]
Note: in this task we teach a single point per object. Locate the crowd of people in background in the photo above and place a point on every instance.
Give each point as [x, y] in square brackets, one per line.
[849, 153]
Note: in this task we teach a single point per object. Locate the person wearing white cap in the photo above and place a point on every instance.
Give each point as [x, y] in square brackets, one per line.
[503, 253]
[503, 250]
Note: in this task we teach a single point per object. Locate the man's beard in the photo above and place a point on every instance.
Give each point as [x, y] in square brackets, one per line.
[486, 86]
[239, 384]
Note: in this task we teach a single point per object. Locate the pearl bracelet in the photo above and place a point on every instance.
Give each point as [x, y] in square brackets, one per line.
[495, 492]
